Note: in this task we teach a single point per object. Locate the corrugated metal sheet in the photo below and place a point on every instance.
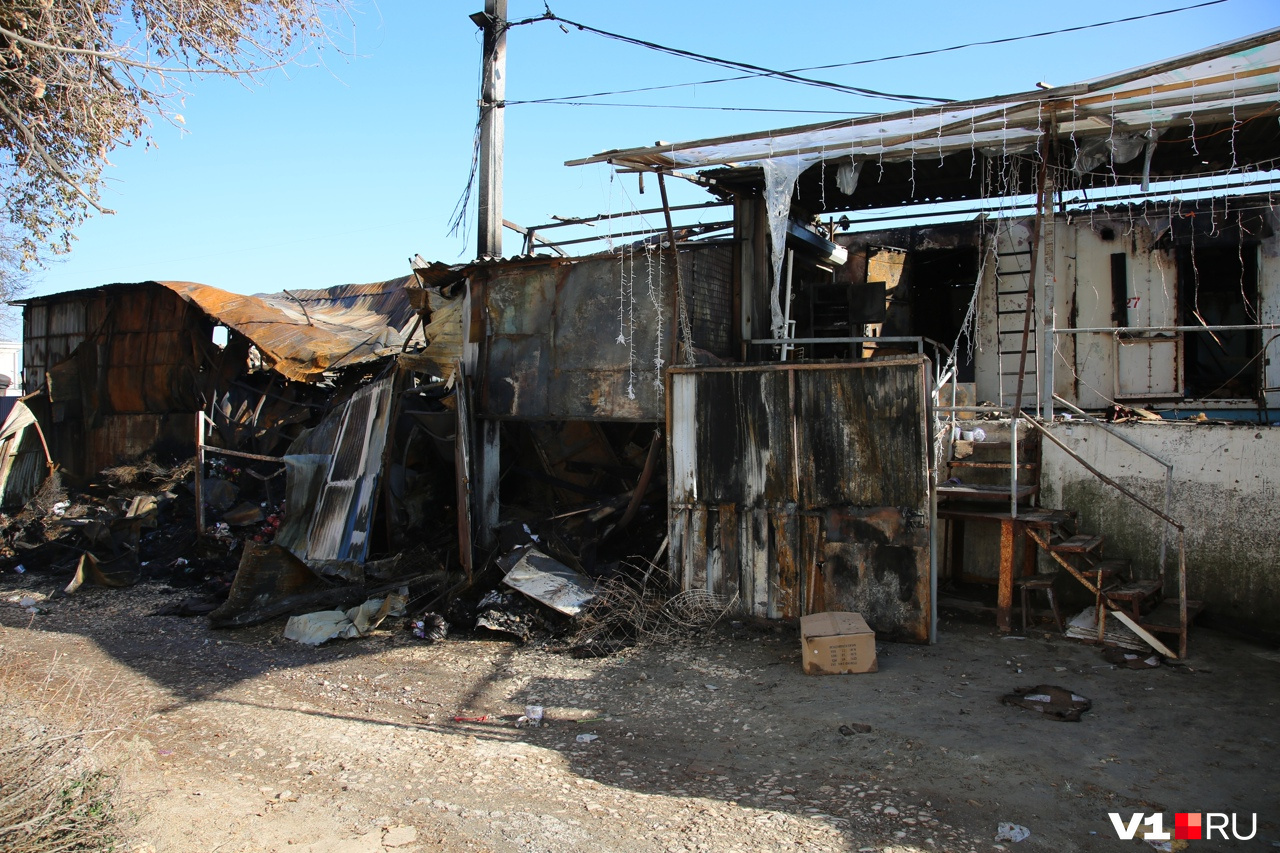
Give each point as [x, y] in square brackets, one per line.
[800, 488]
[23, 461]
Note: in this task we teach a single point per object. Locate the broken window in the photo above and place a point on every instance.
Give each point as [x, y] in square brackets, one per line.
[1218, 286]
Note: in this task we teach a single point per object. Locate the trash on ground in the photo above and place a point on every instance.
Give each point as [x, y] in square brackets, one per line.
[1056, 703]
[854, 728]
[586, 738]
[1012, 832]
[430, 627]
[507, 613]
[836, 642]
[313, 629]
[1129, 660]
[1084, 626]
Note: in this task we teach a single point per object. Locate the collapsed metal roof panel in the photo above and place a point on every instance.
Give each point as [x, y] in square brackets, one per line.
[302, 333]
[303, 343]
[1233, 80]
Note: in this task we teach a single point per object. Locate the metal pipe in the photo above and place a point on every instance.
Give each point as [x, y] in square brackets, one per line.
[1168, 469]
[561, 223]
[1095, 472]
[786, 316]
[1137, 330]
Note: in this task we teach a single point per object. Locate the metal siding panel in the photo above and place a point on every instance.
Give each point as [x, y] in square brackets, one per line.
[696, 559]
[861, 435]
[728, 581]
[787, 601]
[757, 563]
[684, 438]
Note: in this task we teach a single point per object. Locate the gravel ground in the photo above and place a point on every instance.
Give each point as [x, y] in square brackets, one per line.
[244, 741]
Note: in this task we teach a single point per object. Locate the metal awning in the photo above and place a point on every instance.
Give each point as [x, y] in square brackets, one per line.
[1232, 82]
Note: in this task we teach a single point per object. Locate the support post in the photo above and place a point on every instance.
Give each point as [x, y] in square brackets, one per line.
[493, 90]
[489, 475]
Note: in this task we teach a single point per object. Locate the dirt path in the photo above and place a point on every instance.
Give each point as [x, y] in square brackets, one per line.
[243, 741]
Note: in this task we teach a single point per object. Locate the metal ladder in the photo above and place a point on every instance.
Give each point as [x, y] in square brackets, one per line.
[1013, 277]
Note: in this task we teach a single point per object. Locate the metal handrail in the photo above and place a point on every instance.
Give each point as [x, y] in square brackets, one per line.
[1182, 549]
[1168, 467]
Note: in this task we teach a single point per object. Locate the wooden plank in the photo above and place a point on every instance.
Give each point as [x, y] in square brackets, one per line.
[1144, 634]
[1004, 599]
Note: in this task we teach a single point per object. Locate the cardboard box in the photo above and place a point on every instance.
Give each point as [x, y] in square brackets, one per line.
[836, 642]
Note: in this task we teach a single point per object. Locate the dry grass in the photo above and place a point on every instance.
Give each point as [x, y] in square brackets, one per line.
[55, 794]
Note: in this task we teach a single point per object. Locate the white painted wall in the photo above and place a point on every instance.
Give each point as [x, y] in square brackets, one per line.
[11, 366]
[1094, 369]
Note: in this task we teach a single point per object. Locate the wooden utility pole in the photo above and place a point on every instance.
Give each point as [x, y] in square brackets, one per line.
[493, 91]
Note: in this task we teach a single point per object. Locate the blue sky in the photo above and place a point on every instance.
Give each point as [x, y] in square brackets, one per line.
[338, 173]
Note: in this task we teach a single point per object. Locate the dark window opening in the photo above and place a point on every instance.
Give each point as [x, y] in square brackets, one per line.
[942, 283]
[1120, 289]
[1218, 286]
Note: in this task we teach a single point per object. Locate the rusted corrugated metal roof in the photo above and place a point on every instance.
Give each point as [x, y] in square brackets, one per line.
[318, 330]
[300, 333]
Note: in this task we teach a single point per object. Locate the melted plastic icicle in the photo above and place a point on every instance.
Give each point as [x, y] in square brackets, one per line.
[780, 175]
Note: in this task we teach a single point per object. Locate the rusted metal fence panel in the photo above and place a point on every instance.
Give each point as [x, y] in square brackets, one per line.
[589, 338]
[798, 488]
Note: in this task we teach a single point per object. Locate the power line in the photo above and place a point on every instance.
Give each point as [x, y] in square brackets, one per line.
[931, 52]
[684, 107]
[746, 66]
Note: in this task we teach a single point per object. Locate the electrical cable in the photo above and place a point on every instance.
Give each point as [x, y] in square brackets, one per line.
[764, 73]
[689, 107]
[747, 66]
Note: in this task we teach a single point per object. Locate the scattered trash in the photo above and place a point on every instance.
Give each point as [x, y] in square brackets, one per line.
[586, 738]
[854, 728]
[430, 627]
[1056, 703]
[312, 629]
[1012, 832]
[507, 613]
[1084, 626]
[1129, 660]
[533, 712]
[483, 718]
[20, 569]
[60, 508]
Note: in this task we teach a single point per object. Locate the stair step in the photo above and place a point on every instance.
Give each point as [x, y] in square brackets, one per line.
[965, 463]
[1134, 590]
[1045, 519]
[1164, 619]
[1081, 543]
[1044, 581]
[1026, 441]
[980, 492]
[1110, 566]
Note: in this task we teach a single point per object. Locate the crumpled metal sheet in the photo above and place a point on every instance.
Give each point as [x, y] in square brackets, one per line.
[550, 582]
[304, 333]
[24, 461]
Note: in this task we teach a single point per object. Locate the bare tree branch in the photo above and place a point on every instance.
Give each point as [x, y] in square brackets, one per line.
[79, 77]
